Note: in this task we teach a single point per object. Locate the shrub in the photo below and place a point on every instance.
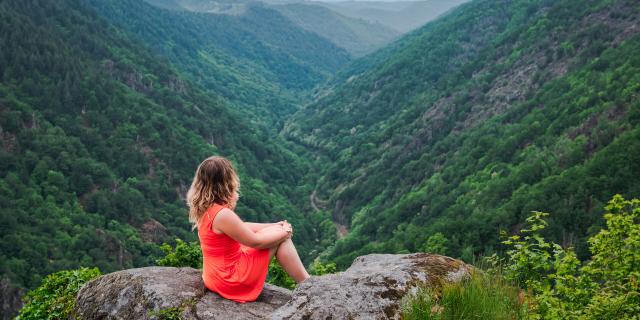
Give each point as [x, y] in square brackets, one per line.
[319, 268]
[278, 277]
[183, 255]
[436, 243]
[605, 287]
[55, 297]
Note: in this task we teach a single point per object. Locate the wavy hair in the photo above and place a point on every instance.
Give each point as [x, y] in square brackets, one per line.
[215, 181]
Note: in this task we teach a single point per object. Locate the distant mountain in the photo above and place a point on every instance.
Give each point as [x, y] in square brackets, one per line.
[357, 36]
[467, 124]
[167, 4]
[402, 16]
[259, 61]
[231, 7]
[99, 140]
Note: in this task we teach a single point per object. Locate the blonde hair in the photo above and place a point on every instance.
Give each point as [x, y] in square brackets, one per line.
[215, 181]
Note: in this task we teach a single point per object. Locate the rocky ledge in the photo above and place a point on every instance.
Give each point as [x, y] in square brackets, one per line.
[372, 288]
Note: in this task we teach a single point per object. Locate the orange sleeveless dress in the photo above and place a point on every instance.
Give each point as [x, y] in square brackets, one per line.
[234, 271]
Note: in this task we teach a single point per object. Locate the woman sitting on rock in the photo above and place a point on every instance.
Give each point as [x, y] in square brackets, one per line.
[235, 254]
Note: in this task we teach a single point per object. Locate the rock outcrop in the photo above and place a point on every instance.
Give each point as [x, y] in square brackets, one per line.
[146, 293]
[372, 288]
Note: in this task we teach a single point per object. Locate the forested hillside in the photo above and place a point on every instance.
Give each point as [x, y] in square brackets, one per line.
[260, 61]
[100, 140]
[464, 126]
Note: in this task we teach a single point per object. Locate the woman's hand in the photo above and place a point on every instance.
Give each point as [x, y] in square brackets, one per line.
[286, 226]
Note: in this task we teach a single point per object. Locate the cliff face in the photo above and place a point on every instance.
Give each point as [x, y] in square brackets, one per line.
[372, 288]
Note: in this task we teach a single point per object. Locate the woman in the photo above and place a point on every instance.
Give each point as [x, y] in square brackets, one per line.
[235, 254]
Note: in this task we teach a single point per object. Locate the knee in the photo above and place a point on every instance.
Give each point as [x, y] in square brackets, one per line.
[285, 244]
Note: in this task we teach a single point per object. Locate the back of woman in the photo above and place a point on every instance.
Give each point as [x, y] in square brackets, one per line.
[236, 254]
[234, 271]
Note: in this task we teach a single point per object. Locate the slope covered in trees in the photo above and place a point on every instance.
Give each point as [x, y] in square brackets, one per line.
[99, 140]
[260, 61]
[462, 127]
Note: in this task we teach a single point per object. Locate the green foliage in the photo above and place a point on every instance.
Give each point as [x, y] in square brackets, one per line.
[532, 257]
[481, 297]
[183, 255]
[277, 276]
[319, 268]
[436, 243]
[604, 287]
[55, 297]
[168, 313]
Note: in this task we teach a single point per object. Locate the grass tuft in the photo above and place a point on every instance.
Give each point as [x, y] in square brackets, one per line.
[480, 297]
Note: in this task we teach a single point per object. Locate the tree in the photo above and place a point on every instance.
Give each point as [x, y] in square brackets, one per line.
[436, 243]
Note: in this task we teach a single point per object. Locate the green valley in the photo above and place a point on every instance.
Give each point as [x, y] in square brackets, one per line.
[443, 139]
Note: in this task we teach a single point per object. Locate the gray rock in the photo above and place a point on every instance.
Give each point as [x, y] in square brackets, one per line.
[10, 301]
[145, 292]
[372, 288]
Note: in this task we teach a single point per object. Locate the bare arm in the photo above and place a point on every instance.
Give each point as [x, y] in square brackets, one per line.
[255, 227]
[229, 223]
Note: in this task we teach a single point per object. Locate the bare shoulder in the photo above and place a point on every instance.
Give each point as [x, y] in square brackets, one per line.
[224, 218]
[226, 214]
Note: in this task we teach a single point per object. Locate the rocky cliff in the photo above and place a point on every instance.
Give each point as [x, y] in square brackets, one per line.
[372, 288]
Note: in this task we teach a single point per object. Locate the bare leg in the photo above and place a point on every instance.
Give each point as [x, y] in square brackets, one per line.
[288, 257]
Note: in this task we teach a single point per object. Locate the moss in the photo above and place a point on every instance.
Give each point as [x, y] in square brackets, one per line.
[437, 267]
[173, 313]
